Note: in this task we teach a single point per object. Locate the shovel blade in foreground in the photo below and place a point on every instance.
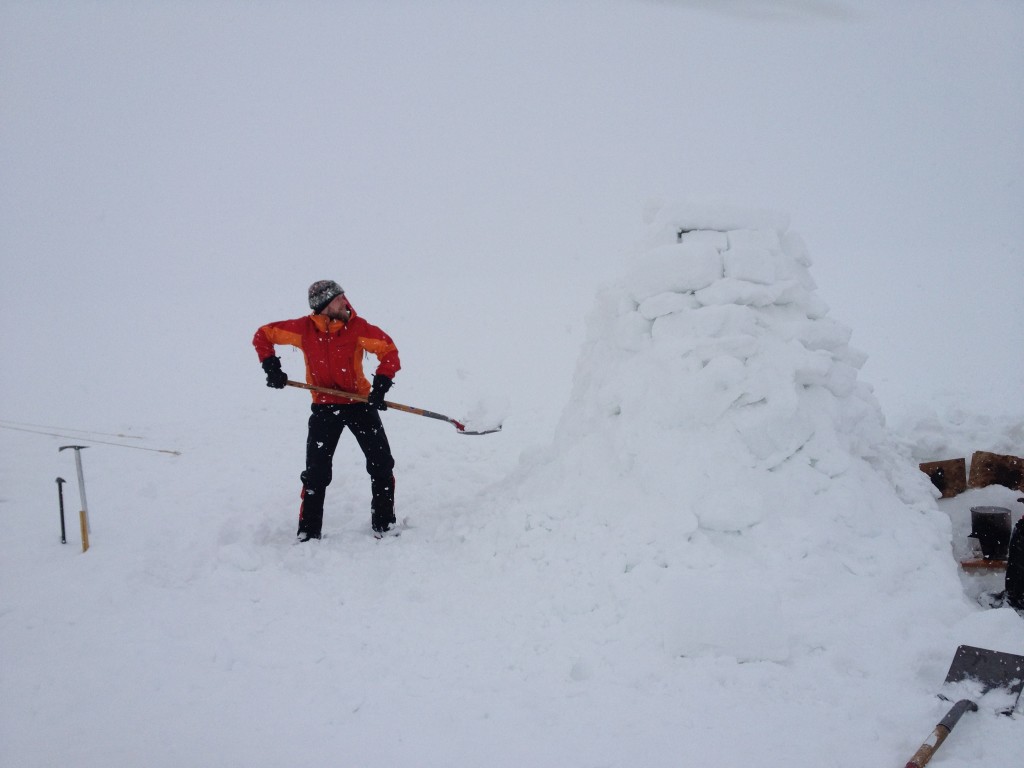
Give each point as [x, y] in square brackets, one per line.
[973, 674]
[987, 671]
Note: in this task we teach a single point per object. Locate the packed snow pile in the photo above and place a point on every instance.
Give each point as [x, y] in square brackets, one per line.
[721, 454]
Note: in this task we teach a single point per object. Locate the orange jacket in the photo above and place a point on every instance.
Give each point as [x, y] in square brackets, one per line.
[334, 351]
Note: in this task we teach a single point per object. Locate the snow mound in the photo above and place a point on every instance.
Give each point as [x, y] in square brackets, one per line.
[722, 454]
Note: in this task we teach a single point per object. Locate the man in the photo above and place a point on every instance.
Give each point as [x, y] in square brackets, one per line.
[1015, 567]
[334, 340]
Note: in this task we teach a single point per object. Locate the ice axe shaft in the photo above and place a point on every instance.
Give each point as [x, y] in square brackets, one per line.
[397, 406]
[81, 483]
[60, 497]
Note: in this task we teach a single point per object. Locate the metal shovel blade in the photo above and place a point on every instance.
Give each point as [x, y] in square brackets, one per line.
[973, 674]
[984, 671]
[464, 430]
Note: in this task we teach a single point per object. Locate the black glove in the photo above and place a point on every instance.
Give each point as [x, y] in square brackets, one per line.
[276, 378]
[381, 385]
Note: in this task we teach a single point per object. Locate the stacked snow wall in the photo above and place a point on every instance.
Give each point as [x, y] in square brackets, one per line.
[722, 462]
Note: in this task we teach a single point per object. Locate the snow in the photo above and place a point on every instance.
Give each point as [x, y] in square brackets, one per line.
[701, 536]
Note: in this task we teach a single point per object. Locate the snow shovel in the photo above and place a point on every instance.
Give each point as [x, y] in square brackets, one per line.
[974, 672]
[398, 407]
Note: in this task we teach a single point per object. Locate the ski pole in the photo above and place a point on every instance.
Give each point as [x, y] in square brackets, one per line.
[83, 515]
[60, 496]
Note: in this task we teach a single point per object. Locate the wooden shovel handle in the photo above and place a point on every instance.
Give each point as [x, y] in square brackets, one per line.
[363, 399]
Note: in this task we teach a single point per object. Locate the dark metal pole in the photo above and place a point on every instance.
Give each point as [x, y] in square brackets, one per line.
[60, 495]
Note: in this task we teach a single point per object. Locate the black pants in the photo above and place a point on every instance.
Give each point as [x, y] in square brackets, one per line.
[1015, 568]
[326, 423]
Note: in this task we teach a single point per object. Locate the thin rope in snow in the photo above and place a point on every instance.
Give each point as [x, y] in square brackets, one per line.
[90, 439]
[68, 429]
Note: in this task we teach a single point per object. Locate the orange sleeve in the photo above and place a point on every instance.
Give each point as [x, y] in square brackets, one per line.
[384, 349]
[283, 332]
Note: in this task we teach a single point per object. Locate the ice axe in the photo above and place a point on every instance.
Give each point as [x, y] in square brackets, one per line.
[83, 514]
[977, 671]
[397, 406]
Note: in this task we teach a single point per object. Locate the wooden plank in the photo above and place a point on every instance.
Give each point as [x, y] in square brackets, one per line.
[980, 564]
[996, 469]
[949, 476]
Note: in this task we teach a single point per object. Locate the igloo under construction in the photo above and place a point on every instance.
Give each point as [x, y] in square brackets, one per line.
[718, 441]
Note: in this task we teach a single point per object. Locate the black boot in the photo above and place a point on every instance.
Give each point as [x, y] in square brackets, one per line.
[311, 511]
[382, 506]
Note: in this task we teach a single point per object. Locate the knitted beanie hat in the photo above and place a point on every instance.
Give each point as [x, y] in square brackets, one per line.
[322, 293]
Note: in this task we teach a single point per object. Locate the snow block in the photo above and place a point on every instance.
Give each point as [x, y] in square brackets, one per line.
[720, 218]
[760, 239]
[666, 304]
[826, 334]
[677, 268]
[729, 508]
[756, 265]
[705, 237]
[732, 291]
